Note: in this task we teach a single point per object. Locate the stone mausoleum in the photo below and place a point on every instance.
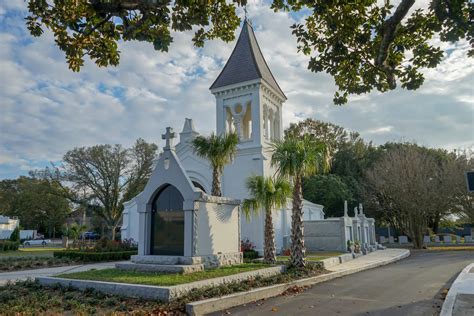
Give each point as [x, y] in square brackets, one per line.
[181, 228]
[332, 234]
[174, 219]
[249, 102]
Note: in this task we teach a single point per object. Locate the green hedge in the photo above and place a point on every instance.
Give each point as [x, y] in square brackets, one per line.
[250, 254]
[89, 256]
[6, 245]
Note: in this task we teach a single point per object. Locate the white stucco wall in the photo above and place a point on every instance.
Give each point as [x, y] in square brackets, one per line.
[130, 228]
[218, 228]
[327, 235]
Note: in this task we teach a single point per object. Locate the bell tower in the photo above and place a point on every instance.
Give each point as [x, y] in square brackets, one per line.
[248, 99]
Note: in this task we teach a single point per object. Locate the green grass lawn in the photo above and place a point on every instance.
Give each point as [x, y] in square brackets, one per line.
[150, 278]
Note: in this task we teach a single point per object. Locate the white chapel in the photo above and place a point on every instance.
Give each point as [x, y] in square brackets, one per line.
[249, 101]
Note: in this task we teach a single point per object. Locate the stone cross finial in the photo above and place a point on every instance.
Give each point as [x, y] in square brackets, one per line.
[169, 135]
[361, 209]
[345, 209]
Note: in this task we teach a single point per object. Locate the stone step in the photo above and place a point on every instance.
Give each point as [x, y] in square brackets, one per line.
[166, 260]
[164, 268]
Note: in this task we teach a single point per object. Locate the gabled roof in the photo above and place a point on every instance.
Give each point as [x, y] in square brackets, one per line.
[246, 63]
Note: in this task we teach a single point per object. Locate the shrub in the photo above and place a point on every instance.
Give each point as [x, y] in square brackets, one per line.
[107, 245]
[248, 249]
[91, 256]
[250, 254]
[15, 236]
[6, 245]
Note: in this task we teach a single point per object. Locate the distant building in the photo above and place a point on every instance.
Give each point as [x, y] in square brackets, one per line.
[7, 226]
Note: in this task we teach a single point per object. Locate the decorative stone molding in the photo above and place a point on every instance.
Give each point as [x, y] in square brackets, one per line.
[236, 89]
[227, 259]
[195, 232]
[219, 199]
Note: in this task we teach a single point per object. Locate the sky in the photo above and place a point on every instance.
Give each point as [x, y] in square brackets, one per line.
[46, 109]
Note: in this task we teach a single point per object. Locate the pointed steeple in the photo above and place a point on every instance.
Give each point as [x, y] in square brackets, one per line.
[246, 63]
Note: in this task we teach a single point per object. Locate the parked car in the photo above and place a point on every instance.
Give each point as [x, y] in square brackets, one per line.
[32, 242]
[90, 236]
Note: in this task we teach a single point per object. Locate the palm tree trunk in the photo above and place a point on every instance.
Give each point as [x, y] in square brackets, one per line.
[269, 252]
[216, 182]
[298, 250]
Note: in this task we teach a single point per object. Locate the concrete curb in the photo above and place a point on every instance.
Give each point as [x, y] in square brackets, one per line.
[464, 285]
[219, 303]
[163, 293]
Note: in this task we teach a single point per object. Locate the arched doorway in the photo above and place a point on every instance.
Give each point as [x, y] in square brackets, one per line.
[167, 223]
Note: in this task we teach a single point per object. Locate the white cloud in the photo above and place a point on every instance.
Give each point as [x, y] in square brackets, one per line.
[46, 109]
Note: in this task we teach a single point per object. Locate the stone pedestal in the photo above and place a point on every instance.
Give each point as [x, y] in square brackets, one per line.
[180, 264]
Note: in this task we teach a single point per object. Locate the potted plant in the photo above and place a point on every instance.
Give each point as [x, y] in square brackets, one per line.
[357, 246]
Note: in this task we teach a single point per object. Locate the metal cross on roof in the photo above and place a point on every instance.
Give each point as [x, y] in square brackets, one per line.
[169, 135]
[245, 11]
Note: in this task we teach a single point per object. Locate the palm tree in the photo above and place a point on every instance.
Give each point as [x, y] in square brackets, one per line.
[296, 158]
[267, 194]
[75, 231]
[219, 150]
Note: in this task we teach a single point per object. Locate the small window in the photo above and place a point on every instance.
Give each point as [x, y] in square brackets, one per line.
[199, 186]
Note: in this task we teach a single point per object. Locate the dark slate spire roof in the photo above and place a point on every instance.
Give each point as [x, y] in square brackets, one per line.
[246, 63]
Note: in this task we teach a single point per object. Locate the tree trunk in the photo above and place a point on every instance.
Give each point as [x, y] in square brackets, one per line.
[436, 223]
[269, 250]
[113, 232]
[216, 182]
[298, 250]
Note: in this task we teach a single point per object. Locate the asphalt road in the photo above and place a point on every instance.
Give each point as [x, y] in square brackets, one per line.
[412, 286]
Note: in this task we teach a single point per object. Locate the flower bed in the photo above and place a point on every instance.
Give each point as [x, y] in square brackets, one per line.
[30, 298]
[33, 262]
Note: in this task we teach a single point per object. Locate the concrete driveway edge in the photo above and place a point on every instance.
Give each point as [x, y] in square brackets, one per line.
[219, 303]
[464, 284]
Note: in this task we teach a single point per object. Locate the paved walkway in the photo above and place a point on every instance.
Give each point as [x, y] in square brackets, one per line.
[412, 286]
[31, 274]
[370, 259]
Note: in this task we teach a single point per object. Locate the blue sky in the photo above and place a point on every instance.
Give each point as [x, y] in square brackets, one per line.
[45, 109]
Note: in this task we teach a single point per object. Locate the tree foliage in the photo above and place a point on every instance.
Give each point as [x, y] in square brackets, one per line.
[350, 156]
[15, 236]
[363, 45]
[106, 175]
[94, 27]
[410, 185]
[219, 150]
[370, 44]
[267, 195]
[328, 190]
[332, 135]
[298, 157]
[38, 203]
